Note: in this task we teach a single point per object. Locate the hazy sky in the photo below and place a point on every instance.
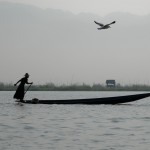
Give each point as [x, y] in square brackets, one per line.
[101, 7]
[60, 47]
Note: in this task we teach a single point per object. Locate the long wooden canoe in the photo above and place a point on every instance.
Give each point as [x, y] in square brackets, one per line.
[104, 100]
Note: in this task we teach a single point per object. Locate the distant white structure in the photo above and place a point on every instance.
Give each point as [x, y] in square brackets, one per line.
[110, 83]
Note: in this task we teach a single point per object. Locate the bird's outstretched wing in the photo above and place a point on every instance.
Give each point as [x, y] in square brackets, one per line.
[100, 24]
[112, 23]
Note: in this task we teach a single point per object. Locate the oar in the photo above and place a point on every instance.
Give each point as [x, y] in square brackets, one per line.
[27, 89]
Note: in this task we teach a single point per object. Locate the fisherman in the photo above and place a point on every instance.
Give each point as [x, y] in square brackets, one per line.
[19, 95]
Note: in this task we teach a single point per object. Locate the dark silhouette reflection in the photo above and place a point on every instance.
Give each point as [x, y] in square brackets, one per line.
[20, 92]
[106, 26]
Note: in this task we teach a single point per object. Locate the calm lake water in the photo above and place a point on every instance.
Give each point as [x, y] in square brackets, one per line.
[74, 127]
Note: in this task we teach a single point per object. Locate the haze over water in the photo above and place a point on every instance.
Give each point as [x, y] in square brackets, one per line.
[57, 41]
[54, 45]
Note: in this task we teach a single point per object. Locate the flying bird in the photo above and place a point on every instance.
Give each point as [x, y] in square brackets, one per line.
[102, 26]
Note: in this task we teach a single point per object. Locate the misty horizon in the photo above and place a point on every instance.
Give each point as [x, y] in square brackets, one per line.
[61, 47]
[98, 7]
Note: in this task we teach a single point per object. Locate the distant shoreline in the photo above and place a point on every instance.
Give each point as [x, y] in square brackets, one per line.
[77, 87]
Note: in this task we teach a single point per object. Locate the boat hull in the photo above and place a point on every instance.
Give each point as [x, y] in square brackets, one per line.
[94, 101]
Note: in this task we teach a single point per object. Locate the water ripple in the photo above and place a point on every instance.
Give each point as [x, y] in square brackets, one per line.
[75, 127]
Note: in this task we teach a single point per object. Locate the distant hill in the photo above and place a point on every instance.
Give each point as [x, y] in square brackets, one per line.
[59, 45]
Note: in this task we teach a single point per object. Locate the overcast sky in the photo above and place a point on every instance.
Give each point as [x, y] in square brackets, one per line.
[60, 47]
[100, 7]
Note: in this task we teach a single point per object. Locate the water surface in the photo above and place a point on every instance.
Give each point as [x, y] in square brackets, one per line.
[74, 127]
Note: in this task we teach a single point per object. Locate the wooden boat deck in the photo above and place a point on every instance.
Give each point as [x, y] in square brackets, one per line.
[90, 101]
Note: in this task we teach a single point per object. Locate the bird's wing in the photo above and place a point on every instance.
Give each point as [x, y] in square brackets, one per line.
[100, 24]
[111, 23]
